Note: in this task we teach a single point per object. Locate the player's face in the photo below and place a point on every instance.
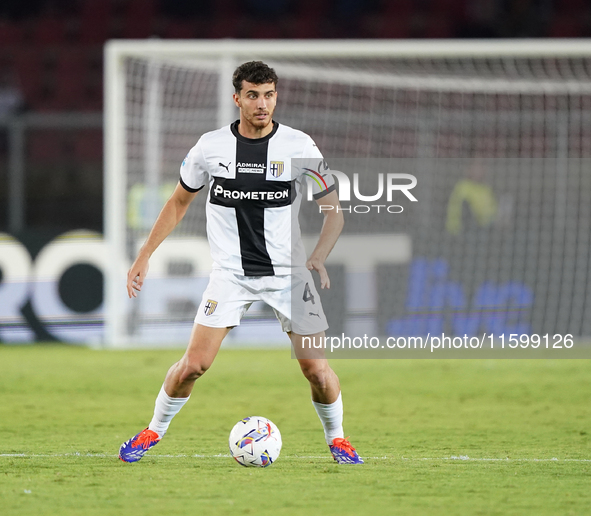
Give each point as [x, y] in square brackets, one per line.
[257, 103]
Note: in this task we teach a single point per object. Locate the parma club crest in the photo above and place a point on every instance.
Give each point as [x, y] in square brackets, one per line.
[210, 307]
[276, 168]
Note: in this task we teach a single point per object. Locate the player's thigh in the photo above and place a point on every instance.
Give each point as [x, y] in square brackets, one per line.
[204, 344]
[308, 347]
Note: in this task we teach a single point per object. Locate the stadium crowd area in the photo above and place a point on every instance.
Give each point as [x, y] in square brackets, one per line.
[51, 61]
[51, 50]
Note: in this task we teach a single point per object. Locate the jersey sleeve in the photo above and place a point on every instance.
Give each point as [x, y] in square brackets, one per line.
[316, 170]
[194, 175]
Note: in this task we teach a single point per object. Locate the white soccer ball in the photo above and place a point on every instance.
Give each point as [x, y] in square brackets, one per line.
[255, 441]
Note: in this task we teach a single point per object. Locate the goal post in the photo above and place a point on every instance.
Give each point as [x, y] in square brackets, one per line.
[425, 103]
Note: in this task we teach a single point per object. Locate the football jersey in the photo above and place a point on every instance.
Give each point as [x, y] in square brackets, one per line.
[254, 196]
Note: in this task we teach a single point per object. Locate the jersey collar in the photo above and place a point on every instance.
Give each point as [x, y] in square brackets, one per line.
[253, 141]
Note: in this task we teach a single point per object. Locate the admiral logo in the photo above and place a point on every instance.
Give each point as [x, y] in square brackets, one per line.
[219, 191]
[250, 168]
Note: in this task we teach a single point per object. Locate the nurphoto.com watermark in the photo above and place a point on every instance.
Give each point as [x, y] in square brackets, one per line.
[441, 342]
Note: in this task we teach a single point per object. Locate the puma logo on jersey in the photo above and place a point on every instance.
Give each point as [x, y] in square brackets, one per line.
[225, 166]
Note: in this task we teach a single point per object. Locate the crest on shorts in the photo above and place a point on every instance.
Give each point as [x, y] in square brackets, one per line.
[276, 168]
[210, 307]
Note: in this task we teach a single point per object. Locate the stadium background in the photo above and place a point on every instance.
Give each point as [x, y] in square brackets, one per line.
[51, 77]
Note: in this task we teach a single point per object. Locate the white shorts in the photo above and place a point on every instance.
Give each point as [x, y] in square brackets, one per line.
[293, 297]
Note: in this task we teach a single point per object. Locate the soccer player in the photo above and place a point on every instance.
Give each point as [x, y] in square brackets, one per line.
[255, 242]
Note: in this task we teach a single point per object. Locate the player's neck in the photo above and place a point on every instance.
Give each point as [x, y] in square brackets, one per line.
[248, 130]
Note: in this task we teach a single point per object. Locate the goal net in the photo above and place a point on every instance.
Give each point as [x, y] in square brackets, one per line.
[496, 135]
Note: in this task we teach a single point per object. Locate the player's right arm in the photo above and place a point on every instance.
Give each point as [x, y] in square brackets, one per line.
[172, 213]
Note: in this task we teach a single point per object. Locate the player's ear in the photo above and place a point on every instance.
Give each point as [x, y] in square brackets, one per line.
[236, 98]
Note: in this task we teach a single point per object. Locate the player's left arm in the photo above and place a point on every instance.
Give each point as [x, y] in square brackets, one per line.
[331, 229]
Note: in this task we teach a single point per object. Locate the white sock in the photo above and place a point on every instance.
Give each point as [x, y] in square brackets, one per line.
[166, 408]
[331, 417]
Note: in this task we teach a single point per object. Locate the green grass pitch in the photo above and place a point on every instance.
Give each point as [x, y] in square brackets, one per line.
[440, 437]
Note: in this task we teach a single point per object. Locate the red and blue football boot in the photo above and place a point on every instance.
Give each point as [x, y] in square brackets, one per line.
[134, 449]
[343, 452]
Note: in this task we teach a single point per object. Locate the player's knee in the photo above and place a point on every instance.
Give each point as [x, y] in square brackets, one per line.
[317, 375]
[191, 371]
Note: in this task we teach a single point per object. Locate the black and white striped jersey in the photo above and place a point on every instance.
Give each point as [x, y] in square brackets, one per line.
[254, 196]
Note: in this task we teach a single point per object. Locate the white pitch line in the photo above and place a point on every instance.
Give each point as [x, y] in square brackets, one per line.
[306, 457]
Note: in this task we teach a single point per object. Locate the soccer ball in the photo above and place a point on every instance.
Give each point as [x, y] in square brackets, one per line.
[255, 441]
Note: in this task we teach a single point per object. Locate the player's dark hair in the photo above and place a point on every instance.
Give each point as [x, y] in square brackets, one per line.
[255, 72]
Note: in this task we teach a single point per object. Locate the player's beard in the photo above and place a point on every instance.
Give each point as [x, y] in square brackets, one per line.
[258, 123]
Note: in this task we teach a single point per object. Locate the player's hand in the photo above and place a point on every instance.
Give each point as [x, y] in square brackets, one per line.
[315, 264]
[136, 276]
